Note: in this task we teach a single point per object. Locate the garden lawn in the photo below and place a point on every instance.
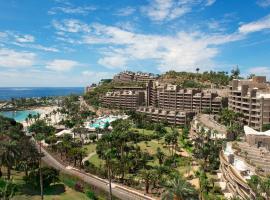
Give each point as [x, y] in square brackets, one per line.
[151, 147]
[95, 160]
[90, 148]
[55, 193]
[143, 131]
[58, 191]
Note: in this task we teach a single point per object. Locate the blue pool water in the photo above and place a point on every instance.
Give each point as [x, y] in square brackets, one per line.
[100, 123]
[19, 116]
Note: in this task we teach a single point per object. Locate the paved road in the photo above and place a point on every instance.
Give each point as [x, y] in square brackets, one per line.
[117, 190]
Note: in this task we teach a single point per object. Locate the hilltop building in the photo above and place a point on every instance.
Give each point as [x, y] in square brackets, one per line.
[139, 77]
[90, 88]
[252, 98]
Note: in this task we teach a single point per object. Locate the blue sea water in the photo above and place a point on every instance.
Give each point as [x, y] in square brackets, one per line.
[7, 93]
[19, 116]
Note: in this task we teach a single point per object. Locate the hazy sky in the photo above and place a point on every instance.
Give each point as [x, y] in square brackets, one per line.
[77, 42]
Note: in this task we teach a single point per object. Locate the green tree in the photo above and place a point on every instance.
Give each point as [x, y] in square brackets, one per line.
[160, 156]
[49, 176]
[7, 189]
[179, 189]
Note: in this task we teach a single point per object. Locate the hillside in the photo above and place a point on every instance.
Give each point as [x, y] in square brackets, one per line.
[189, 79]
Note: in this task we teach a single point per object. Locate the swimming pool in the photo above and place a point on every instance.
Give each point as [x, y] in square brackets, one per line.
[100, 123]
[19, 116]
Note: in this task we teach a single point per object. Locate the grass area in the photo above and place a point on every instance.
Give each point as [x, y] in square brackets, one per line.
[95, 160]
[90, 148]
[143, 131]
[58, 191]
[55, 192]
[151, 147]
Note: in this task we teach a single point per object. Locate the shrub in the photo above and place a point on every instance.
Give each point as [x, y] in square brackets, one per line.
[49, 175]
[216, 189]
[79, 187]
[91, 195]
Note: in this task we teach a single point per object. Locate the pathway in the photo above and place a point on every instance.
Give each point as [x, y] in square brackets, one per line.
[118, 191]
[88, 157]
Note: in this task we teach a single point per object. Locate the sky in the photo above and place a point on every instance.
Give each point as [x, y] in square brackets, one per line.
[78, 42]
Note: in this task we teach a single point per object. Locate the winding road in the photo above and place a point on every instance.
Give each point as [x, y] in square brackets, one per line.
[118, 191]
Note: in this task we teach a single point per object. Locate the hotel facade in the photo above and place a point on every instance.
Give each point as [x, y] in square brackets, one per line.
[251, 98]
[173, 117]
[163, 96]
[139, 77]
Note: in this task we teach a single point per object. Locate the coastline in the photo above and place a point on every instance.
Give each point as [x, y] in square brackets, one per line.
[43, 111]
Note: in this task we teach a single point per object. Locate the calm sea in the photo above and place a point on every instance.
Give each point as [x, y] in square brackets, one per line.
[26, 92]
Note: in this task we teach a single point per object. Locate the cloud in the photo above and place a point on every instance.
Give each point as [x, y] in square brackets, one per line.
[263, 3]
[36, 46]
[96, 76]
[183, 51]
[62, 65]
[3, 35]
[16, 59]
[47, 78]
[160, 10]
[126, 11]
[25, 38]
[263, 71]
[113, 61]
[166, 10]
[84, 10]
[255, 26]
[210, 2]
[71, 26]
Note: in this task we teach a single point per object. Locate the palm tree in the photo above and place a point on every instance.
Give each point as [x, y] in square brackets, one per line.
[7, 189]
[39, 138]
[146, 174]
[30, 117]
[160, 156]
[9, 155]
[179, 189]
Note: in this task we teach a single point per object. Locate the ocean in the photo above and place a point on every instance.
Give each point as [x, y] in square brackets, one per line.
[7, 93]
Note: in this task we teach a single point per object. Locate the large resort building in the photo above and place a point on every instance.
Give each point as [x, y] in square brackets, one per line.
[164, 99]
[252, 99]
[169, 96]
[125, 99]
[173, 117]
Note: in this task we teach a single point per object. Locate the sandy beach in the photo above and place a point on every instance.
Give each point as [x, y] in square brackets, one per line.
[46, 111]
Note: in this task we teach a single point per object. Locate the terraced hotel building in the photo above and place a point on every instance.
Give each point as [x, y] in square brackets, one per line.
[163, 101]
[125, 99]
[128, 76]
[252, 98]
[174, 117]
[174, 97]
